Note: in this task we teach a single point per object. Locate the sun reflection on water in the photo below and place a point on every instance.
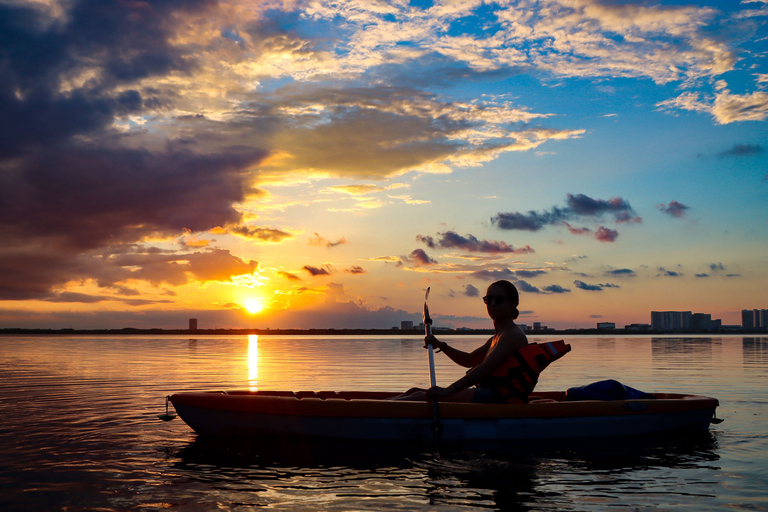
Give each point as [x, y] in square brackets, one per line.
[253, 362]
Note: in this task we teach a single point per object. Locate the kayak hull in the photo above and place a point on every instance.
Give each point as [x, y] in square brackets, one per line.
[371, 416]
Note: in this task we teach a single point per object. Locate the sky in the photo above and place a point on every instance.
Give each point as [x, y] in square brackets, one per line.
[319, 164]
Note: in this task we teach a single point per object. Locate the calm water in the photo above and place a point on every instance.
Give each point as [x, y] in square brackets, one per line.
[79, 429]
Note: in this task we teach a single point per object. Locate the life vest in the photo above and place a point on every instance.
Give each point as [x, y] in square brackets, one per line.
[516, 378]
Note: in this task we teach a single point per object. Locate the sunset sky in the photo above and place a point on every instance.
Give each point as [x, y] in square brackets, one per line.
[298, 164]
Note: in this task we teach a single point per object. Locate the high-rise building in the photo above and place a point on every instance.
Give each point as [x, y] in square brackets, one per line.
[671, 320]
[193, 324]
[747, 319]
[406, 325]
[703, 322]
[758, 319]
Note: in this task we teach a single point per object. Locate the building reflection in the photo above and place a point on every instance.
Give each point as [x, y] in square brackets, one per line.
[755, 350]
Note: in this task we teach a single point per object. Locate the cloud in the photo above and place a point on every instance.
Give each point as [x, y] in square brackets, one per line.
[554, 288]
[494, 275]
[259, 233]
[320, 241]
[84, 298]
[111, 197]
[470, 291]
[529, 273]
[581, 285]
[507, 274]
[452, 240]
[577, 206]
[355, 270]
[726, 108]
[325, 270]
[165, 267]
[621, 272]
[604, 234]
[663, 272]
[525, 287]
[674, 209]
[74, 75]
[577, 231]
[742, 150]
[715, 269]
[420, 258]
[289, 276]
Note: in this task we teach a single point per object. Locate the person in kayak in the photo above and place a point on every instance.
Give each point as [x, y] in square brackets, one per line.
[480, 384]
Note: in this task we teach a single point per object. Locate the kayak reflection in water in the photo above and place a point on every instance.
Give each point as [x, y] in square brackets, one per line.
[482, 384]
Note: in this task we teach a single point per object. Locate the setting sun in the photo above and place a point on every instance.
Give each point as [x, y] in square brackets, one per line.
[253, 304]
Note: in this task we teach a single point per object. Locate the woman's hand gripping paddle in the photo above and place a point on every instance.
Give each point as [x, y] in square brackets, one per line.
[437, 427]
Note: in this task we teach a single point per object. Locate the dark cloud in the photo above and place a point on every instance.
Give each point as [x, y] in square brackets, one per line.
[289, 276]
[355, 270]
[578, 206]
[471, 291]
[508, 274]
[66, 203]
[581, 285]
[525, 287]
[742, 150]
[663, 272]
[325, 270]
[604, 234]
[674, 209]
[96, 195]
[261, 233]
[494, 275]
[419, 257]
[452, 240]
[116, 43]
[531, 221]
[577, 231]
[529, 273]
[624, 272]
[61, 208]
[554, 288]
[83, 298]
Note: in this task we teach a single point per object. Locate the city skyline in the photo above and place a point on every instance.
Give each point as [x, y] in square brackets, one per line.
[318, 164]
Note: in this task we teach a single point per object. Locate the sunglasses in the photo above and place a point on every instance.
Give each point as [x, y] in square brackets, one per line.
[495, 299]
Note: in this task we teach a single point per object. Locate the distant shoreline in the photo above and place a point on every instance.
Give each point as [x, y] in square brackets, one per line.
[128, 331]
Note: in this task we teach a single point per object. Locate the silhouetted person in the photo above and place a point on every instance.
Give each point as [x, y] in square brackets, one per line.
[488, 381]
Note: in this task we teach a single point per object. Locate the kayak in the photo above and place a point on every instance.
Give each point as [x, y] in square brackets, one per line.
[373, 416]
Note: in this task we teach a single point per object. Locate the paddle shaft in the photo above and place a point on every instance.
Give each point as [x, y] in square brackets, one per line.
[437, 427]
[432, 380]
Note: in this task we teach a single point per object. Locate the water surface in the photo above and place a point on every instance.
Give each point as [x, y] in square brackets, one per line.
[79, 429]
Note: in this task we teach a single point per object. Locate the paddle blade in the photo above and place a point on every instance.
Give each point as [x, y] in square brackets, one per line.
[425, 316]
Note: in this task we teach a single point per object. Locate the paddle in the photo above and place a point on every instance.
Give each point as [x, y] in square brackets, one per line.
[436, 425]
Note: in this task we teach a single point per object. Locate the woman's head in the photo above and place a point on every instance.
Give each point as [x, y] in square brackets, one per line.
[503, 293]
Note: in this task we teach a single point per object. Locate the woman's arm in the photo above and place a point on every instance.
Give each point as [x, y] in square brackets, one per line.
[467, 360]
